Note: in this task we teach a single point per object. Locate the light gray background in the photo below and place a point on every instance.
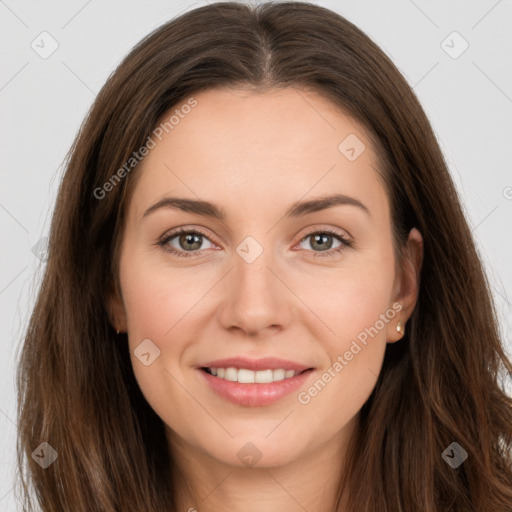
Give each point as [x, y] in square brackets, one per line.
[43, 101]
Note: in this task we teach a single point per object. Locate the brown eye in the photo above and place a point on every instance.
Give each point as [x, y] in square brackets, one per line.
[190, 241]
[322, 242]
[184, 242]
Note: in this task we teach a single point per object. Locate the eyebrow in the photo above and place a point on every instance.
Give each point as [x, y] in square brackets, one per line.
[298, 209]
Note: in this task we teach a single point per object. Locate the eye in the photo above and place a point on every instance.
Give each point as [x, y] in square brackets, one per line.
[188, 242]
[323, 240]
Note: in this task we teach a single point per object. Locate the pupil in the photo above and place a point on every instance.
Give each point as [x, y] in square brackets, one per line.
[189, 239]
[322, 238]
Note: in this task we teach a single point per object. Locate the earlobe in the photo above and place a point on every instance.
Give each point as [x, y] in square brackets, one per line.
[396, 328]
[115, 310]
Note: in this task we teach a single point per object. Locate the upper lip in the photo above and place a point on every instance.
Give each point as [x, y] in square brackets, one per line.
[265, 363]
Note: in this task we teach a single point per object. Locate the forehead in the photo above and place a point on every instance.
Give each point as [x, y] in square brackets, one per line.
[259, 148]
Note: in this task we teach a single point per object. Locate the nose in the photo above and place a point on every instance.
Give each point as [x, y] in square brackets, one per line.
[256, 298]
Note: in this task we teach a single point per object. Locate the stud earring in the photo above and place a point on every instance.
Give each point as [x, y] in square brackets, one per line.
[400, 327]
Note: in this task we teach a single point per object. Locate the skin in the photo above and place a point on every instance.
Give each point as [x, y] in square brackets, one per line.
[254, 154]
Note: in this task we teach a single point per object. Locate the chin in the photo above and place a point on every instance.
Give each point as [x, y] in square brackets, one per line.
[257, 452]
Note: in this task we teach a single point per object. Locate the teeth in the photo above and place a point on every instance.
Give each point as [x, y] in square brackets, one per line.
[263, 376]
[244, 376]
[279, 374]
[231, 374]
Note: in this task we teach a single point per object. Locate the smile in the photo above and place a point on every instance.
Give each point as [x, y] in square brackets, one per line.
[253, 393]
[245, 376]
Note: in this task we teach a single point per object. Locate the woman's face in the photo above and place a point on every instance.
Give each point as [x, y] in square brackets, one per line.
[271, 282]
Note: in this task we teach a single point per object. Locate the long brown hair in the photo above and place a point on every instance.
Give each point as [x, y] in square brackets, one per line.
[442, 383]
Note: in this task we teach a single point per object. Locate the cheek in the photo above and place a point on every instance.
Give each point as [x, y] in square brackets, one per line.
[349, 300]
[157, 299]
[355, 309]
[169, 307]
[159, 304]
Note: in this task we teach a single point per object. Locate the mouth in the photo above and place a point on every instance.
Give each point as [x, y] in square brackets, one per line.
[246, 376]
[254, 383]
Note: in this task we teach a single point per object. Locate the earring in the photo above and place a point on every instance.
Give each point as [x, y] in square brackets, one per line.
[400, 327]
[117, 331]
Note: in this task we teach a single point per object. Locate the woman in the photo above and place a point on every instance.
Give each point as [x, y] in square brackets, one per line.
[195, 347]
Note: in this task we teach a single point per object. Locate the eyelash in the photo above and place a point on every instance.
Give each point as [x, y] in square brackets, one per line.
[345, 242]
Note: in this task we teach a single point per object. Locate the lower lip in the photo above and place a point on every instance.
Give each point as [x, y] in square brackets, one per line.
[255, 395]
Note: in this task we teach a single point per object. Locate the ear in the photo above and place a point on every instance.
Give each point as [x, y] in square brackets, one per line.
[115, 309]
[407, 284]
